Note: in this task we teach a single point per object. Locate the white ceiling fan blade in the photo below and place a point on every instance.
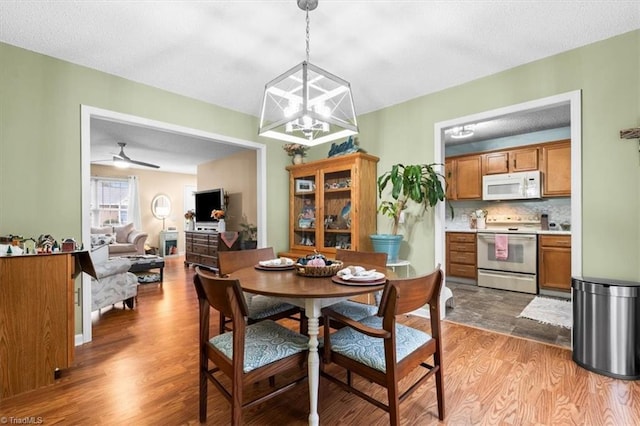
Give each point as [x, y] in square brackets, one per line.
[142, 163]
[123, 157]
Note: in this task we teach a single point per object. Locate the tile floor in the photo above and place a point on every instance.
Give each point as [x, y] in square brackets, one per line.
[498, 310]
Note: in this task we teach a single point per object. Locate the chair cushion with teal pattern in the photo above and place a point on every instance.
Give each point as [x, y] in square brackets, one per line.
[370, 350]
[354, 310]
[264, 306]
[265, 342]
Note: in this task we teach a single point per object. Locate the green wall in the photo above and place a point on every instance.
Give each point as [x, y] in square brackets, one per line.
[40, 100]
[608, 73]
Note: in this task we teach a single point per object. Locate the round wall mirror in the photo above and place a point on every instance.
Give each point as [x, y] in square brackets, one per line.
[161, 206]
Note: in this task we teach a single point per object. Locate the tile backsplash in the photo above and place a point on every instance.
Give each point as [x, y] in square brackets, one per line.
[558, 209]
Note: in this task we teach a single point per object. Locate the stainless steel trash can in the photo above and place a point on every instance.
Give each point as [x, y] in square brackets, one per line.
[606, 326]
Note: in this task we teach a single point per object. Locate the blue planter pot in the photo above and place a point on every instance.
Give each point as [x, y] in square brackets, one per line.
[387, 243]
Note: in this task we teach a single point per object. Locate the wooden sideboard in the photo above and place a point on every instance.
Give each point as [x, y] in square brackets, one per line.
[37, 318]
[202, 247]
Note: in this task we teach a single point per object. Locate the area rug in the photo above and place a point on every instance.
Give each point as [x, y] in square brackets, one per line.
[145, 278]
[549, 311]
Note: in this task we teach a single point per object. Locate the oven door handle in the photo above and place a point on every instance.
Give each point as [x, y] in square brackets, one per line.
[491, 273]
[491, 237]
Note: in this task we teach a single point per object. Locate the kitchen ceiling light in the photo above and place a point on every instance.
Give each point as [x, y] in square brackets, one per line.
[461, 132]
[306, 104]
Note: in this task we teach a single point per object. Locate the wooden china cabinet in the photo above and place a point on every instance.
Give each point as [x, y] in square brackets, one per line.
[332, 204]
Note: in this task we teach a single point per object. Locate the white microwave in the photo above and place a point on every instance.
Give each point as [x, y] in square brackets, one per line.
[512, 186]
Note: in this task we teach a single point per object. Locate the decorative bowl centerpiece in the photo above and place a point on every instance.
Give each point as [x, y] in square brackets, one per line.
[317, 265]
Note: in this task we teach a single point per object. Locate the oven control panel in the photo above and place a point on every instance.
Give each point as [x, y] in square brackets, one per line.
[513, 219]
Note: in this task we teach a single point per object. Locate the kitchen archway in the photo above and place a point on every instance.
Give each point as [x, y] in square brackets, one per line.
[573, 100]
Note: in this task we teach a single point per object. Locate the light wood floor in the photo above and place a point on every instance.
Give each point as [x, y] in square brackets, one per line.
[141, 368]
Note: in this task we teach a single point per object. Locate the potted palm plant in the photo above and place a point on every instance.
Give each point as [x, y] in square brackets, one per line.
[418, 183]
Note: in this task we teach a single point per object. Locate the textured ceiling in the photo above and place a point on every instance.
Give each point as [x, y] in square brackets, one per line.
[528, 121]
[173, 152]
[223, 52]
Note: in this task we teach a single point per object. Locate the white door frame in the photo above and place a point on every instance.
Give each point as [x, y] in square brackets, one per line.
[574, 100]
[89, 112]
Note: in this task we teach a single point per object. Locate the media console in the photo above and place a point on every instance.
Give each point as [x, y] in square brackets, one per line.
[202, 247]
[207, 226]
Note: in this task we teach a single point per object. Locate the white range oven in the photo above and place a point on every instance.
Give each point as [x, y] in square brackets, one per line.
[513, 264]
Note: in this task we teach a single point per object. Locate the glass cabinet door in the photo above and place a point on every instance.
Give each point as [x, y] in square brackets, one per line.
[332, 204]
[336, 201]
[304, 211]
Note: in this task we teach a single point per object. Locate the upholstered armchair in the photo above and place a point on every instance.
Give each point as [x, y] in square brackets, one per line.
[114, 283]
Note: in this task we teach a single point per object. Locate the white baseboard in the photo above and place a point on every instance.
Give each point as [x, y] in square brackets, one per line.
[446, 297]
[79, 340]
[422, 312]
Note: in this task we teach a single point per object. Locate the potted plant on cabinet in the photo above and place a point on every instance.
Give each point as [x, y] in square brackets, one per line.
[248, 235]
[419, 183]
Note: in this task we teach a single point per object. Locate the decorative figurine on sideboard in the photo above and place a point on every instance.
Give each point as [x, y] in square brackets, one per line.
[69, 244]
[29, 246]
[46, 244]
[347, 147]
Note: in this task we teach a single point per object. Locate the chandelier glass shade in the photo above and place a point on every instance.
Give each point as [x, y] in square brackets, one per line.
[307, 105]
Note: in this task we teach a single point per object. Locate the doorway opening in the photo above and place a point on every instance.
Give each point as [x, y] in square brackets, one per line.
[87, 113]
[573, 101]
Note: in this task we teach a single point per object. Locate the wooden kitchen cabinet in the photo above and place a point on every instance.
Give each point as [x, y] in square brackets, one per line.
[511, 161]
[461, 254]
[554, 262]
[332, 204]
[464, 177]
[37, 328]
[556, 169]
[450, 178]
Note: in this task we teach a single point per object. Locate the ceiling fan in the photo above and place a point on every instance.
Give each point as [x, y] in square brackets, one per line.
[122, 157]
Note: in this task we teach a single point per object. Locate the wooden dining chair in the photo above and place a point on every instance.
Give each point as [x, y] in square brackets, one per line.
[259, 307]
[350, 308]
[247, 354]
[384, 351]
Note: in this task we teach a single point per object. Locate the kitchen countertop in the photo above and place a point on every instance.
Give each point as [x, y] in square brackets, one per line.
[539, 232]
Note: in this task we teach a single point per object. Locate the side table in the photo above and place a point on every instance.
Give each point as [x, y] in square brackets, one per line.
[400, 263]
[168, 243]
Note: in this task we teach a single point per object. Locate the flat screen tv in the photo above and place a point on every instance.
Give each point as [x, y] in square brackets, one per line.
[207, 201]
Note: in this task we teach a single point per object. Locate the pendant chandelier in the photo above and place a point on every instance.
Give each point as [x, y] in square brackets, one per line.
[307, 105]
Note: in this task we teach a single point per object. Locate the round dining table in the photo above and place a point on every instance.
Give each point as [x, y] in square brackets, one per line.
[310, 293]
